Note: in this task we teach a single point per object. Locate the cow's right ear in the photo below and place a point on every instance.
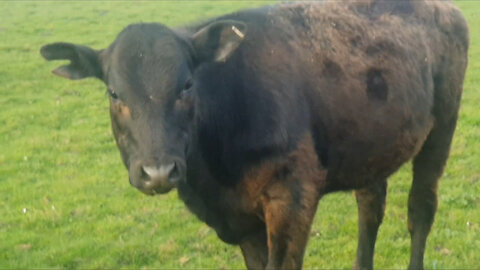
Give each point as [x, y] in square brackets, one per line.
[217, 41]
[84, 61]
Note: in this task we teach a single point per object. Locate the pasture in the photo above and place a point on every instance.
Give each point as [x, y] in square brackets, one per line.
[65, 200]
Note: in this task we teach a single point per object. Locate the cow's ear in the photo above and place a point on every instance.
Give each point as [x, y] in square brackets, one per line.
[84, 61]
[217, 41]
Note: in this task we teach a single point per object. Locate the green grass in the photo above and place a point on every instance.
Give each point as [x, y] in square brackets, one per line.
[59, 163]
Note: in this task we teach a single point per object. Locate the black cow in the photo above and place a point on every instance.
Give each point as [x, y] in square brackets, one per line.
[255, 115]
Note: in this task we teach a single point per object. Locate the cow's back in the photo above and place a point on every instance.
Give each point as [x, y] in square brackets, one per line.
[372, 72]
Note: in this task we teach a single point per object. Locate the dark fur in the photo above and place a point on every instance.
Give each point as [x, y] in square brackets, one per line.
[317, 98]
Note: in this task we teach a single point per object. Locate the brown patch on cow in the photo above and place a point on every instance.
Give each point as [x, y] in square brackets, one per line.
[281, 176]
[120, 110]
[125, 111]
[281, 190]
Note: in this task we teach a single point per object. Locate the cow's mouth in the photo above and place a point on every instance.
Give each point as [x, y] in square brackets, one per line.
[153, 188]
[158, 190]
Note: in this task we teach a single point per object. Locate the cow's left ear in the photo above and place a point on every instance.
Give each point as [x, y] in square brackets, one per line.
[217, 41]
[84, 61]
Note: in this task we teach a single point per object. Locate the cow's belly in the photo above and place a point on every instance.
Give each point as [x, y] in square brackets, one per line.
[375, 151]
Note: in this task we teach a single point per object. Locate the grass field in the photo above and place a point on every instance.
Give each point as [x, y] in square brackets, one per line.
[65, 200]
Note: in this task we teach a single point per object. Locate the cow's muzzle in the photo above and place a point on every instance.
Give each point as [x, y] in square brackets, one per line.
[151, 179]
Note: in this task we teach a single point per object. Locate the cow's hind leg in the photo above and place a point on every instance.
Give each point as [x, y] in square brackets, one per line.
[255, 250]
[422, 202]
[429, 163]
[371, 207]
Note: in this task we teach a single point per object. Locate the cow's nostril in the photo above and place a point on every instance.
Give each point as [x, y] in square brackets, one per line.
[153, 172]
[174, 175]
[143, 174]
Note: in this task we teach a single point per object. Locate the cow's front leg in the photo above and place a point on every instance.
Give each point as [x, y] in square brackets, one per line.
[255, 251]
[289, 209]
[285, 193]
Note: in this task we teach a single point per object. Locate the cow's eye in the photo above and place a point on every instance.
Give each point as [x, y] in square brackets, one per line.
[112, 93]
[186, 88]
[188, 85]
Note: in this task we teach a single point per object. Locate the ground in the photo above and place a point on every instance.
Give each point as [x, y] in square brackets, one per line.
[65, 197]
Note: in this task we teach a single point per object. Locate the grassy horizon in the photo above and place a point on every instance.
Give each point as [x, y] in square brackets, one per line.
[65, 197]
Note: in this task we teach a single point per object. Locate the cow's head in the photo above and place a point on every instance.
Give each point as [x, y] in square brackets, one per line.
[148, 72]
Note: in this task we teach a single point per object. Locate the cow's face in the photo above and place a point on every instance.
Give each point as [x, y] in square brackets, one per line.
[148, 72]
